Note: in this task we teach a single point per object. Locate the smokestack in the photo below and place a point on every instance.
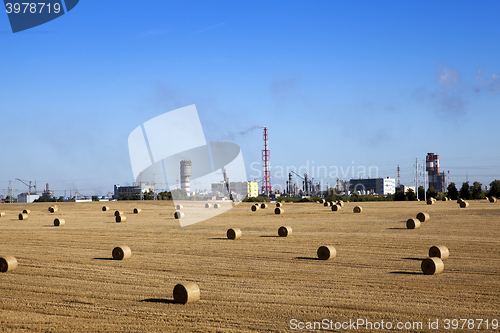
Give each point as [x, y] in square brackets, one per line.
[186, 173]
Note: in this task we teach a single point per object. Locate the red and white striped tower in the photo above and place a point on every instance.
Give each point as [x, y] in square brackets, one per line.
[266, 172]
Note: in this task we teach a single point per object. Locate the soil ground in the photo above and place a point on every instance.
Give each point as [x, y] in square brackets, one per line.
[66, 279]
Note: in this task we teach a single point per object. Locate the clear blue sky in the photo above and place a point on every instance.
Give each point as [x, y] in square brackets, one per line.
[340, 83]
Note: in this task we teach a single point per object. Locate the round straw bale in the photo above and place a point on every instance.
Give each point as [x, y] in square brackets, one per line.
[357, 209]
[119, 213]
[23, 216]
[340, 203]
[284, 231]
[336, 207]
[179, 207]
[187, 292]
[464, 204]
[216, 206]
[26, 211]
[326, 252]
[121, 252]
[207, 205]
[432, 266]
[459, 200]
[255, 208]
[439, 251]
[58, 222]
[327, 203]
[53, 209]
[423, 216]
[105, 208]
[444, 199]
[179, 215]
[322, 201]
[492, 199]
[430, 201]
[263, 206]
[234, 233]
[137, 210]
[2, 214]
[279, 204]
[7, 263]
[413, 224]
[121, 218]
[278, 210]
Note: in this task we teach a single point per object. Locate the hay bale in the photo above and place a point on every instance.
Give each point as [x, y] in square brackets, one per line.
[413, 224]
[26, 211]
[234, 233]
[340, 203]
[179, 215]
[255, 208]
[423, 216]
[279, 204]
[121, 252]
[7, 263]
[322, 201]
[263, 206]
[431, 266]
[460, 200]
[207, 205]
[336, 207]
[105, 208]
[179, 207]
[278, 210]
[492, 199]
[357, 209]
[53, 209]
[137, 210]
[120, 218]
[464, 204]
[326, 252]
[119, 213]
[59, 222]
[439, 251]
[216, 206]
[187, 292]
[430, 201]
[444, 199]
[327, 204]
[284, 231]
[2, 214]
[23, 216]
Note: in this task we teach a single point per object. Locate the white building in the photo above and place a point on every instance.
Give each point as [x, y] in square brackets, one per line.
[27, 198]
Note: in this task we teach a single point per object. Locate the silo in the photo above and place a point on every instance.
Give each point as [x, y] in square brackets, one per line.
[186, 173]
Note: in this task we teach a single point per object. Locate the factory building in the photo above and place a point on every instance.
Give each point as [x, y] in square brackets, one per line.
[375, 186]
[27, 198]
[245, 189]
[436, 179]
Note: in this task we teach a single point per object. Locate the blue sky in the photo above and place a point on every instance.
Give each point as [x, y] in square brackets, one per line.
[337, 83]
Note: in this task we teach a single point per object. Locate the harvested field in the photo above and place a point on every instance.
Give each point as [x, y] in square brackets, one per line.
[65, 280]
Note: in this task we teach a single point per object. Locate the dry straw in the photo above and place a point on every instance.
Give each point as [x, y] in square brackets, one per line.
[335, 207]
[23, 216]
[119, 213]
[179, 207]
[179, 215]
[7, 263]
[326, 252]
[216, 206]
[208, 205]
[464, 204]
[59, 222]
[187, 292]
[53, 209]
[263, 206]
[431, 266]
[322, 201]
[121, 252]
[120, 218]
[492, 199]
[327, 204]
[279, 204]
[439, 251]
[105, 208]
[357, 209]
[234, 233]
[2, 214]
[284, 231]
[278, 210]
[430, 201]
[423, 217]
[413, 224]
[137, 210]
[340, 203]
[255, 208]
[26, 211]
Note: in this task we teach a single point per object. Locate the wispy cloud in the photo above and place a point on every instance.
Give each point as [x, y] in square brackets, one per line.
[150, 33]
[233, 135]
[212, 27]
[488, 82]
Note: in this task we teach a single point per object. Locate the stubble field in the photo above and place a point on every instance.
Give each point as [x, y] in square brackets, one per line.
[67, 281]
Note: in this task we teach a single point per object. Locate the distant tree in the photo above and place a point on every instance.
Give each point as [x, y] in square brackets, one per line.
[431, 192]
[477, 191]
[61, 199]
[95, 198]
[465, 191]
[421, 193]
[494, 189]
[400, 196]
[410, 195]
[179, 194]
[452, 191]
[45, 199]
[165, 195]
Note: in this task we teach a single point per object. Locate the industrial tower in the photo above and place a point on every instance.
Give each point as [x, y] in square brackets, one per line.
[186, 173]
[436, 179]
[266, 173]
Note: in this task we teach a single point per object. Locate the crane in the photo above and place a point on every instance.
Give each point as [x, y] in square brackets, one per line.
[27, 184]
